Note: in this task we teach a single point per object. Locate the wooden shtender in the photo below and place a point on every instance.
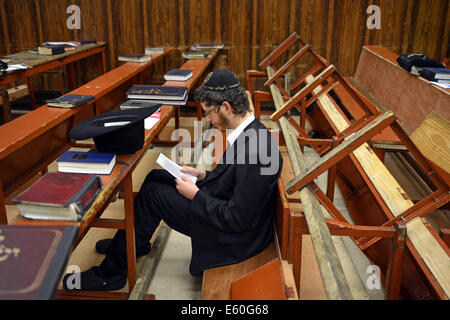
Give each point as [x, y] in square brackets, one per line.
[373, 195]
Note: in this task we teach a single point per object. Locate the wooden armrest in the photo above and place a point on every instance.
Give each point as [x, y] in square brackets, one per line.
[285, 45]
[256, 74]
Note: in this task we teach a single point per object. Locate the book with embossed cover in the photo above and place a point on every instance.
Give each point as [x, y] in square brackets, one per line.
[33, 259]
[69, 100]
[59, 196]
[153, 92]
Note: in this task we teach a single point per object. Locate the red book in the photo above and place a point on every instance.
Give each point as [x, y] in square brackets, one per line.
[33, 259]
[59, 196]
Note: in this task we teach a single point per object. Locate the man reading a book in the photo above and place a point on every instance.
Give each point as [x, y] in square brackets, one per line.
[228, 213]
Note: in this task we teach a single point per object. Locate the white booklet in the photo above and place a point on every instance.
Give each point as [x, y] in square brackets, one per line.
[173, 168]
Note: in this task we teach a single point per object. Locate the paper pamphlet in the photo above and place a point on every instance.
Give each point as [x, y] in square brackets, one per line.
[150, 121]
[173, 168]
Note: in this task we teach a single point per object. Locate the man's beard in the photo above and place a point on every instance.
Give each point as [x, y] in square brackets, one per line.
[223, 123]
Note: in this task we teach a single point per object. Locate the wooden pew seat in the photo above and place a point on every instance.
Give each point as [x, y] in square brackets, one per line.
[217, 281]
[263, 276]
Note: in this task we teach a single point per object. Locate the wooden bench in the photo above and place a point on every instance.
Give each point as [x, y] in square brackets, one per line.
[384, 188]
[263, 276]
[31, 142]
[420, 238]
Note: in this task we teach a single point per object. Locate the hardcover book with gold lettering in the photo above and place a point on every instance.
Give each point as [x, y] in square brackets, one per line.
[153, 92]
[32, 260]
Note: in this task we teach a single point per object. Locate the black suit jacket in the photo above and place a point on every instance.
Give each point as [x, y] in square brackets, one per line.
[233, 212]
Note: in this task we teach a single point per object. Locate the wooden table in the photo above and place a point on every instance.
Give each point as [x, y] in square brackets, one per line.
[42, 63]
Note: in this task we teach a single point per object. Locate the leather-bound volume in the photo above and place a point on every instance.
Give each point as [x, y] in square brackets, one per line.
[32, 260]
[59, 196]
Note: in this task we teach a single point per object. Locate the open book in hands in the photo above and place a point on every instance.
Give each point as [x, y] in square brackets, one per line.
[173, 168]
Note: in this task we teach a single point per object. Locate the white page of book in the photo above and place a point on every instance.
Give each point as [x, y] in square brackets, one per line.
[173, 168]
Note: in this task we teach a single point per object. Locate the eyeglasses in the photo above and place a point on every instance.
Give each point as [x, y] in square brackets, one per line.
[215, 109]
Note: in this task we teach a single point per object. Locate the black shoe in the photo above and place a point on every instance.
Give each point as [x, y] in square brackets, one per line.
[103, 245]
[89, 280]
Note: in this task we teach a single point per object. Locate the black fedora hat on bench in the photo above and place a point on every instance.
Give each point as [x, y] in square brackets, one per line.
[118, 132]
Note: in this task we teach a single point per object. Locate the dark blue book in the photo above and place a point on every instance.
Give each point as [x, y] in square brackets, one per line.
[434, 74]
[178, 75]
[153, 92]
[69, 101]
[86, 162]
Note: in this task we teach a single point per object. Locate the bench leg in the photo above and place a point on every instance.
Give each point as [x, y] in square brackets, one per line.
[394, 272]
[5, 105]
[31, 92]
[295, 247]
[129, 229]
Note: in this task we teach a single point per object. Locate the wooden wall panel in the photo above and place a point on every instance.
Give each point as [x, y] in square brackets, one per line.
[127, 26]
[23, 35]
[312, 23]
[163, 23]
[53, 19]
[238, 35]
[250, 29]
[199, 21]
[273, 24]
[93, 21]
[428, 27]
[350, 25]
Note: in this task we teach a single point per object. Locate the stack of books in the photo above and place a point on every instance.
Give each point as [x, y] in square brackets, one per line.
[135, 57]
[168, 95]
[86, 162]
[178, 75]
[207, 46]
[196, 55]
[59, 196]
[439, 75]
